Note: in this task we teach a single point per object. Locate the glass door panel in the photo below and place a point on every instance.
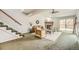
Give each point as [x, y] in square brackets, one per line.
[62, 24]
[67, 25]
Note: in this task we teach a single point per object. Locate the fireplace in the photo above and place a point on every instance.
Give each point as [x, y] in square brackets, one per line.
[48, 26]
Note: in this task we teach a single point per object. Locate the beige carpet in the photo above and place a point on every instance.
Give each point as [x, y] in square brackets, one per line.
[29, 42]
[65, 42]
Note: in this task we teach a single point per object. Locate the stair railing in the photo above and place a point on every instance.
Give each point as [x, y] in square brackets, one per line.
[10, 17]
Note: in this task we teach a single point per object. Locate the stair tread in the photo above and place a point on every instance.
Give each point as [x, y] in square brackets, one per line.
[1, 23]
[10, 30]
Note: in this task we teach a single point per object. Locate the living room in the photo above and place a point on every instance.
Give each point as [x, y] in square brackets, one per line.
[38, 29]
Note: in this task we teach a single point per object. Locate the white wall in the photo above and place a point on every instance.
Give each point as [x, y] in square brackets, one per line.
[47, 13]
[25, 19]
[19, 16]
[41, 15]
[7, 35]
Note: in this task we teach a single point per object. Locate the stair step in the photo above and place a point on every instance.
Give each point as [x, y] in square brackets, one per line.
[1, 23]
[18, 36]
[4, 26]
[13, 33]
[14, 30]
[10, 30]
[18, 33]
[22, 35]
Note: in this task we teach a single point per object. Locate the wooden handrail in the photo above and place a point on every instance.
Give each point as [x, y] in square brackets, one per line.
[10, 17]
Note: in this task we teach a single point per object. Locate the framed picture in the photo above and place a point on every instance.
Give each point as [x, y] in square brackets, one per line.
[37, 21]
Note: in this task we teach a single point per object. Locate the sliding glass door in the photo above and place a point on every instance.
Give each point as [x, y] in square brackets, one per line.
[62, 24]
[67, 25]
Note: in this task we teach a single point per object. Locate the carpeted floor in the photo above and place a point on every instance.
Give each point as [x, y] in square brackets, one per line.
[65, 42]
[30, 42]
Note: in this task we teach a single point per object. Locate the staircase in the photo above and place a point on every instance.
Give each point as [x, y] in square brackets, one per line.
[12, 30]
[9, 27]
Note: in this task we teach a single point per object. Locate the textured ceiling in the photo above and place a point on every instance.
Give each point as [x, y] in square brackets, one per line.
[60, 11]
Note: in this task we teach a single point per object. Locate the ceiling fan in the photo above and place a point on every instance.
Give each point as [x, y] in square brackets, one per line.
[53, 11]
